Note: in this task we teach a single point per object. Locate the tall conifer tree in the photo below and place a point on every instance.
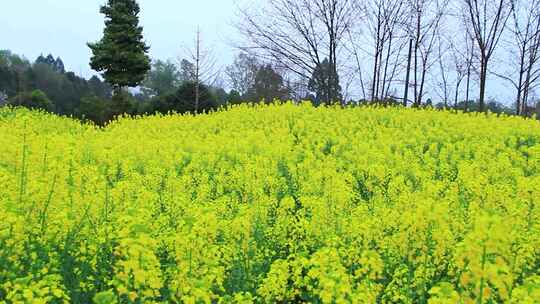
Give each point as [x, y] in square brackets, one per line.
[121, 55]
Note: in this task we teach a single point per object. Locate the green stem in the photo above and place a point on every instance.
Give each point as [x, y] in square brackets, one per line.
[482, 281]
[22, 185]
[43, 216]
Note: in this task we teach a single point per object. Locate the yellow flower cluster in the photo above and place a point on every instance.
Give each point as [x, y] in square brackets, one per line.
[276, 203]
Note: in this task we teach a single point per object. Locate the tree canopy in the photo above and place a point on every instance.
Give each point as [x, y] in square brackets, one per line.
[121, 55]
[324, 83]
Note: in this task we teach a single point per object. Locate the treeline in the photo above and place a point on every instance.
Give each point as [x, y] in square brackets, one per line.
[191, 85]
[439, 53]
[168, 86]
[413, 51]
[46, 84]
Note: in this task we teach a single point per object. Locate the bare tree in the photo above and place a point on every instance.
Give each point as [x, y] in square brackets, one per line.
[455, 60]
[408, 73]
[425, 20]
[204, 65]
[443, 81]
[524, 50]
[455, 64]
[300, 34]
[469, 63]
[241, 74]
[385, 37]
[461, 63]
[352, 46]
[393, 54]
[486, 21]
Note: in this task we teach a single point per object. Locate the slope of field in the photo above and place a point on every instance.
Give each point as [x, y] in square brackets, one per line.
[271, 204]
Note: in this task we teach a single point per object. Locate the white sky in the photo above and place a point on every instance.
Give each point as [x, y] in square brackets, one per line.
[63, 27]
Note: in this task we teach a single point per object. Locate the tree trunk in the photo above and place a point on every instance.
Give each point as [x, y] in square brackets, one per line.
[483, 78]
[416, 48]
[373, 93]
[379, 67]
[526, 90]
[407, 78]
[519, 91]
[468, 85]
[520, 82]
[422, 83]
[377, 50]
[197, 72]
[416, 75]
[387, 61]
[456, 96]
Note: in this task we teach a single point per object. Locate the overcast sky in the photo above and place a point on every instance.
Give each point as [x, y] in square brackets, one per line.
[63, 27]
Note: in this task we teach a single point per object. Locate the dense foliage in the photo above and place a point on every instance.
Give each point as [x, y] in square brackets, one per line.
[325, 84]
[121, 55]
[182, 101]
[33, 100]
[167, 87]
[19, 79]
[271, 204]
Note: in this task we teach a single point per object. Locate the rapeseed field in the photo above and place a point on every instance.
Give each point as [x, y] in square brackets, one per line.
[271, 204]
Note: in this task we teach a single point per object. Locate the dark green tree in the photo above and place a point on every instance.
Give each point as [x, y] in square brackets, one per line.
[56, 64]
[40, 59]
[234, 97]
[99, 88]
[43, 77]
[187, 71]
[94, 109]
[324, 83]
[121, 55]
[64, 90]
[59, 65]
[7, 77]
[50, 60]
[183, 100]
[33, 100]
[163, 78]
[220, 95]
[14, 72]
[122, 102]
[268, 85]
